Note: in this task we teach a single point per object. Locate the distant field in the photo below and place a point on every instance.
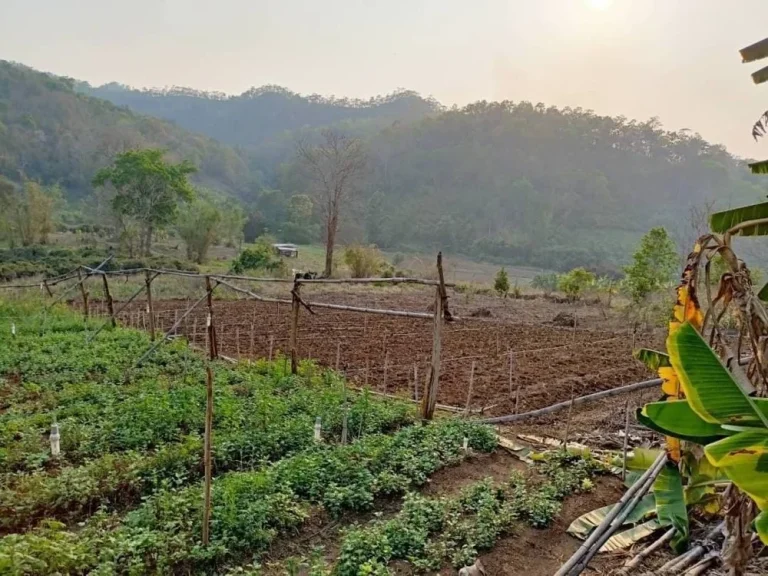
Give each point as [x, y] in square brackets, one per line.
[312, 257]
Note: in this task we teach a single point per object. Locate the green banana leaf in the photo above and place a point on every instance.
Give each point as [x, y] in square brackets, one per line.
[744, 457]
[625, 539]
[763, 294]
[676, 418]
[583, 525]
[759, 167]
[641, 458]
[761, 526]
[721, 222]
[652, 359]
[755, 51]
[670, 504]
[709, 388]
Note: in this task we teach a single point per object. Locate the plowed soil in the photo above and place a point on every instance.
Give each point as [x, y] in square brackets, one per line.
[517, 366]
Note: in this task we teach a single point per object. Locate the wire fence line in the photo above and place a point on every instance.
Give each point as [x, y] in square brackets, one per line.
[246, 340]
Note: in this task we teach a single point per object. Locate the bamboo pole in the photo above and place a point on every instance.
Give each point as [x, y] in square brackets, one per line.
[647, 551]
[415, 382]
[613, 519]
[207, 454]
[150, 309]
[294, 326]
[430, 394]
[338, 355]
[371, 281]
[251, 349]
[212, 355]
[83, 293]
[626, 441]
[576, 402]
[237, 342]
[469, 390]
[271, 345]
[108, 298]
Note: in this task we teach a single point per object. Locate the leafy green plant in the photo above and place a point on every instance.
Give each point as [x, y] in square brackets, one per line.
[501, 282]
[717, 413]
[364, 261]
[547, 283]
[653, 265]
[261, 256]
[574, 283]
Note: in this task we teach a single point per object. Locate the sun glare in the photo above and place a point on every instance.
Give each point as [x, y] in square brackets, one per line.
[599, 4]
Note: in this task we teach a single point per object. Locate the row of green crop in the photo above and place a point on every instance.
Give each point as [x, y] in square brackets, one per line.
[430, 532]
[249, 508]
[123, 439]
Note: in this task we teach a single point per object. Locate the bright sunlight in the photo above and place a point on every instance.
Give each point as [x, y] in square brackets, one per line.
[599, 4]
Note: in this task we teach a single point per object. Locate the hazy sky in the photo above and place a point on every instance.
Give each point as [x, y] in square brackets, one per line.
[675, 59]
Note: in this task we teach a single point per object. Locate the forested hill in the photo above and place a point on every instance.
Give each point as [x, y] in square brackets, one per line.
[256, 116]
[547, 186]
[522, 183]
[51, 133]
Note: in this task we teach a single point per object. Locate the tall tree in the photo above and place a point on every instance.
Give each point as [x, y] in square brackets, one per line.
[335, 168]
[198, 223]
[148, 189]
[28, 215]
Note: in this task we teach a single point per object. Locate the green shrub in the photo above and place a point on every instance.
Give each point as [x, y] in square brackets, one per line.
[261, 256]
[364, 261]
[547, 283]
[574, 283]
[501, 282]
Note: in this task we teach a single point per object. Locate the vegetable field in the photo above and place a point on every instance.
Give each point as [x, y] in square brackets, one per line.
[125, 496]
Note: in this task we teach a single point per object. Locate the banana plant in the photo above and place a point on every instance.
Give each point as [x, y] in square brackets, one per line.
[718, 414]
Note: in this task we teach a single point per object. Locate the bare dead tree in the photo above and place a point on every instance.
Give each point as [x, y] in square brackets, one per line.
[335, 168]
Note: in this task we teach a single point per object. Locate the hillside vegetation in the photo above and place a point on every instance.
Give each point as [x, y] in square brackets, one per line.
[51, 133]
[511, 182]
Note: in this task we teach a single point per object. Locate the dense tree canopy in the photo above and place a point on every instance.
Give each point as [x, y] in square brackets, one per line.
[52, 134]
[517, 182]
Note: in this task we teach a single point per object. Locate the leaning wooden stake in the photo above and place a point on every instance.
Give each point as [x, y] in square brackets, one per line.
[415, 382]
[469, 389]
[338, 355]
[294, 326]
[150, 309]
[47, 288]
[430, 393]
[568, 421]
[83, 293]
[110, 303]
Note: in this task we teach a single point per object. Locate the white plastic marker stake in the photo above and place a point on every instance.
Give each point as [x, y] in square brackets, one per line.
[41, 286]
[466, 444]
[55, 440]
[13, 328]
[208, 321]
[318, 428]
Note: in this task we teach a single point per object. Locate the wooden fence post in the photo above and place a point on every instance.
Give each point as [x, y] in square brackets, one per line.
[84, 294]
[430, 394]
[108, 298]
[294, 326]
[207, 453]
[212, 355]
[150, 309]
[469, 390]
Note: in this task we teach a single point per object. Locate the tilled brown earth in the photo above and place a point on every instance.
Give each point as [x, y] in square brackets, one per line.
[540, 364]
